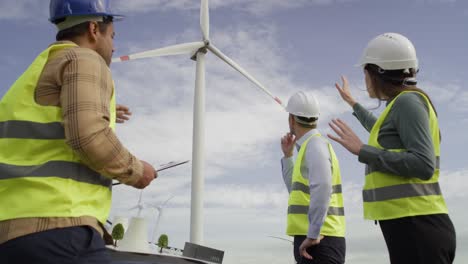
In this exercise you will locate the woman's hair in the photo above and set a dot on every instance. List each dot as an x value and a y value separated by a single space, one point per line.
387 84
80 29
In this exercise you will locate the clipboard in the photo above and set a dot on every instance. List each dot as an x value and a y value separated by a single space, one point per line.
163 167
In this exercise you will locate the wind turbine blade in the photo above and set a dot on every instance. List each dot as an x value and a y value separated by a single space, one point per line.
134 207
155 228
139 199
165 202
238 68
186 48
205 19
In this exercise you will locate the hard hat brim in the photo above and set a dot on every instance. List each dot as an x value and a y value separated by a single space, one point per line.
115 17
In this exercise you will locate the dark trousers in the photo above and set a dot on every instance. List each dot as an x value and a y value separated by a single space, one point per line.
427 239
331 250
73 245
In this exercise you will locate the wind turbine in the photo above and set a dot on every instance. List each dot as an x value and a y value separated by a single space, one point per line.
159 209
139 205
198 50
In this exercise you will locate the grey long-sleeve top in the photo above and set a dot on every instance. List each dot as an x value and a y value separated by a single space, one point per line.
317 167
406 127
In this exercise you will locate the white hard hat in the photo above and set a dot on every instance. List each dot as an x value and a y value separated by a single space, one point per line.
390 51
302 104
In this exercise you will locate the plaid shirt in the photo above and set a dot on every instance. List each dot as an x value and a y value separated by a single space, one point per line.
79 81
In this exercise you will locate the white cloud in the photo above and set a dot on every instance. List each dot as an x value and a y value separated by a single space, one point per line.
251 6
454 184
237 196
27 10
449 95
37 10
460 104
441 93
33 10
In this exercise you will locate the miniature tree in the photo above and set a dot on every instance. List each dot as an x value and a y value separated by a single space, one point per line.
118 233
163 242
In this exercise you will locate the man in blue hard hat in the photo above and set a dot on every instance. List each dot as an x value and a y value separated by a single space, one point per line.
58 150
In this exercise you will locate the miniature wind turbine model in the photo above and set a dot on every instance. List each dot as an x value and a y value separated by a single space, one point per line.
139 205
197 51
159 209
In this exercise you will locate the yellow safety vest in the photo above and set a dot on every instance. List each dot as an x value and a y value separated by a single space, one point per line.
299 200
40 175
389 196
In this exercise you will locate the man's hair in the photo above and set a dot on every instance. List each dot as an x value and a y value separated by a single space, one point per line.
80 29
307 122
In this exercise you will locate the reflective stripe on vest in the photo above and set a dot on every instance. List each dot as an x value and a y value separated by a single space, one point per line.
304 209
40 175
388 196
61 169
299 200
400 191
298 186
33 130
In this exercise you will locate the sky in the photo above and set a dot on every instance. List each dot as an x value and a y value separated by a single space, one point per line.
288 46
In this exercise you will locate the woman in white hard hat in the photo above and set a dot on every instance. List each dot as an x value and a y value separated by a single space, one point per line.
401 189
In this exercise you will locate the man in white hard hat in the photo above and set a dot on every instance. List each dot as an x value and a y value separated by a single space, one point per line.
315 208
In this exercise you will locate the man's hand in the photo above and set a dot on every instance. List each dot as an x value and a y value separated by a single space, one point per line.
149 174
287 144
123 113
307 243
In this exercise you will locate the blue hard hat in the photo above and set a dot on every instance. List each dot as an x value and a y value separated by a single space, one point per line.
64 8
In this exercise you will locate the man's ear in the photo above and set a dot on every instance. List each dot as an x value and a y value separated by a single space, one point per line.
93 29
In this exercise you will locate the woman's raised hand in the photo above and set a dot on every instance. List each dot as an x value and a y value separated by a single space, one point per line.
346 136
344 91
